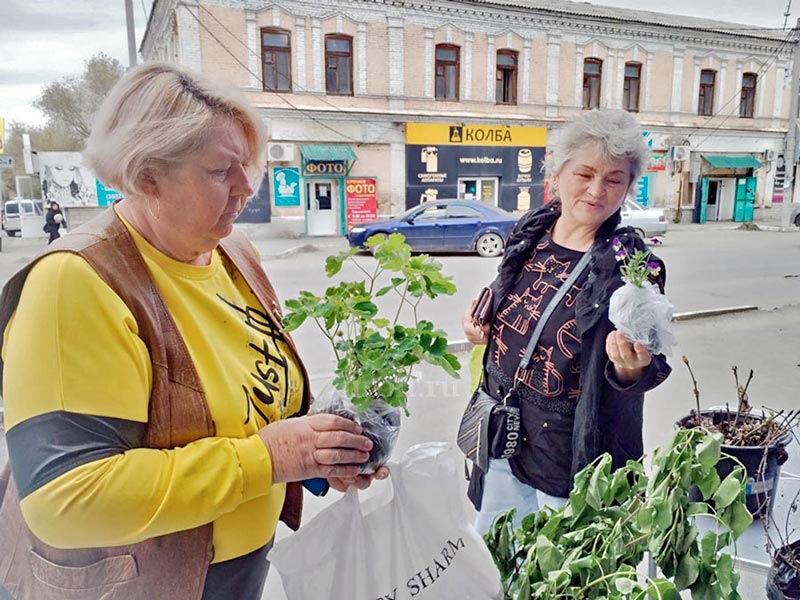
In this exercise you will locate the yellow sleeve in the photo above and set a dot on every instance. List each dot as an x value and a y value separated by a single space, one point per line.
73 346
145 493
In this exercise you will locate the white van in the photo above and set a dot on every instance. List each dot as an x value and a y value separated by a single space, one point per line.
13 209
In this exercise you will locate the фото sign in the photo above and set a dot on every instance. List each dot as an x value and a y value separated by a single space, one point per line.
443 161
325 168
361 200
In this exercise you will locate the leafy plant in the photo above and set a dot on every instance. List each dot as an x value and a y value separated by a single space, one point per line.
636 266
591 547
375 355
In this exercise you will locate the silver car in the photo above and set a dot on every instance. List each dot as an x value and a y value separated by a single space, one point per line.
647 222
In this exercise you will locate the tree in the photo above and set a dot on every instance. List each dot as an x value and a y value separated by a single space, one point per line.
70 103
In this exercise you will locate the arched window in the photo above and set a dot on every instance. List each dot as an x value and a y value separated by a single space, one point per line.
507 76
592 75
276 59
705 100
631 87
447 72
748 99
339 64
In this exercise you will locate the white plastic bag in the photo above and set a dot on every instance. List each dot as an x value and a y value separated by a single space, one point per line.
644 315
414 539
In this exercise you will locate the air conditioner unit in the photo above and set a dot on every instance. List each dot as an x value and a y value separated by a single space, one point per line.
681 153
279 152
770 155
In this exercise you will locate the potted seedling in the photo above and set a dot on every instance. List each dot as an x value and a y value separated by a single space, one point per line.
376 354
758 441
594 546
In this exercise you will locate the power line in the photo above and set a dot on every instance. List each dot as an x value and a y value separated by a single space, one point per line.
278 94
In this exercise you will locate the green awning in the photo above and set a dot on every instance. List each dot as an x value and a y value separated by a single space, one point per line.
732 161
325 152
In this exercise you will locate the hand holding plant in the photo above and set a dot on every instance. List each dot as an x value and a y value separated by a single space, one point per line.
637 309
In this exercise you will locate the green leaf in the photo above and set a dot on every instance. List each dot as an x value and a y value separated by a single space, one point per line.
292 321
708 546
726 576
708 451
737 518
548 556
709 484
333 264
688 570
728 491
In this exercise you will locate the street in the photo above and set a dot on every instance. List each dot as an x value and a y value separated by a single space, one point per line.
706 268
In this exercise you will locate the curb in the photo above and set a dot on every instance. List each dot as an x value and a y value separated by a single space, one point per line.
714 312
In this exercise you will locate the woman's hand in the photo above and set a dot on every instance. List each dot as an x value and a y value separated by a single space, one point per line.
319 445
475 335
362 482
629 360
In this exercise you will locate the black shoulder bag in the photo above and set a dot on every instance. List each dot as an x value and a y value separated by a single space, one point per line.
492 428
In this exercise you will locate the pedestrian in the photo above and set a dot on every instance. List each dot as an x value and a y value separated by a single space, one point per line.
581 393
155 455
53 221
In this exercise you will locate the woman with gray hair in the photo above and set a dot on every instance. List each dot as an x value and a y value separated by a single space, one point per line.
156 455
581 384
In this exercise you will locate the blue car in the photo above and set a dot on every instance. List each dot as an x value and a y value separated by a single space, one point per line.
445 226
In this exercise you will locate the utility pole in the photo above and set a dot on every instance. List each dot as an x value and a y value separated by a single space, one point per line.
131 33
790 154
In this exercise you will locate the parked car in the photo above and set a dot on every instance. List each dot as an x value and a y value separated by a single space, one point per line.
647 222
795 218
13 209
445 225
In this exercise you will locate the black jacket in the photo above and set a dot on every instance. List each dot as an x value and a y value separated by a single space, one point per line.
608 416
50 224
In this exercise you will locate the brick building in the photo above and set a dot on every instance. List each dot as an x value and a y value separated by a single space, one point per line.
398 102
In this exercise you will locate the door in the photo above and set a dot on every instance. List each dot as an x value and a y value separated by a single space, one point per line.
425 228
745 198
462 222
700 207
712 202
322 206
480 189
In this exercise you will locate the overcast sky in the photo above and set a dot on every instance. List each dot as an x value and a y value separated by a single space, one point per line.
44 40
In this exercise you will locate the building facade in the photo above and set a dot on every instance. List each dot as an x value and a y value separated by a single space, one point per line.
373 106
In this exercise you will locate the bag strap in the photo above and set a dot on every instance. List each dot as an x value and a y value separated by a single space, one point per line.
551 306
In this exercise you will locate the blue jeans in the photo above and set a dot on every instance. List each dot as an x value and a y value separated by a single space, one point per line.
502 492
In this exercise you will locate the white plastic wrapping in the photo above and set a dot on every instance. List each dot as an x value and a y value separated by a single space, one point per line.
380 423
643 315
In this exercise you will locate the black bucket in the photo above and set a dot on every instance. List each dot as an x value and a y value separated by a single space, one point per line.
763 473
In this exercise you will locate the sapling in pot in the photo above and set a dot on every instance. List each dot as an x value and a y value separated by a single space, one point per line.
375 355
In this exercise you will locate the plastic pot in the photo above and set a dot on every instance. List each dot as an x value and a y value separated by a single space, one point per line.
783 579
763 472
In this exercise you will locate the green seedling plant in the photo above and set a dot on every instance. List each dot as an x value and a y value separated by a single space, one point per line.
593 547
375 355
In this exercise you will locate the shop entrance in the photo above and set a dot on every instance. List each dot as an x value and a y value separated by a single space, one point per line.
480 189
322 206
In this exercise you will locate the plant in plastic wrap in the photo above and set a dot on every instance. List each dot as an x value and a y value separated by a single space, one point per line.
637 309
375 355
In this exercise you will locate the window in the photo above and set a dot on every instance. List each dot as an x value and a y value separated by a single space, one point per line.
462 211
748 101
276 56
339 64
592 72
705 103
630 90
447 72
506 77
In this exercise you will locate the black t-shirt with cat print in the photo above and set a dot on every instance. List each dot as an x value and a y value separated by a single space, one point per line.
549 389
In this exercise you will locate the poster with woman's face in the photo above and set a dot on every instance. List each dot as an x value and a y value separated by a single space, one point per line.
66 180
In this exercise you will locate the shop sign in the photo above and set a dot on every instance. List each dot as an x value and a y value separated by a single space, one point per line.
658 162
286 183
361 200
458 134
325 168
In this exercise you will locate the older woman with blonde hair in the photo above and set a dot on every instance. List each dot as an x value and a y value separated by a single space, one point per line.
157 452
551 350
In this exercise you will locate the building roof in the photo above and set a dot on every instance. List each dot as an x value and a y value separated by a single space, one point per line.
586 9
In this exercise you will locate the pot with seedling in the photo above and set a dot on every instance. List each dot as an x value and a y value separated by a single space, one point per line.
783 579
757 441
375 355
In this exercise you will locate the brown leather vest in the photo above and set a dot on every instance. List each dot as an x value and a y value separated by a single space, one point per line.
171 566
